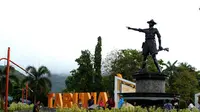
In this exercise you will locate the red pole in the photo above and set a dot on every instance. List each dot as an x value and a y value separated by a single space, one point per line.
26 91
7 79
22 95
16 65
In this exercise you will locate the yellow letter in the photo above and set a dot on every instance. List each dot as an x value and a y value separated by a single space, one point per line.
103 96
86 98
75 98
67 100
58 100
81 97
94 94
50 100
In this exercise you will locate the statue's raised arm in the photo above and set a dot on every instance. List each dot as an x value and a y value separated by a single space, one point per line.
136 29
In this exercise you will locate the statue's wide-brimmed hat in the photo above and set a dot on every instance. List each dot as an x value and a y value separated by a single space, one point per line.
151 22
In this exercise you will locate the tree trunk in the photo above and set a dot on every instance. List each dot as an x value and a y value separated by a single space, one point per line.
2 100
35 98
35 95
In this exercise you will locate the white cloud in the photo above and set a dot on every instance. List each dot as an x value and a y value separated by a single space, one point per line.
52 33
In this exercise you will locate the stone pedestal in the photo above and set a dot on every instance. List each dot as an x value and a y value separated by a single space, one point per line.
150 83
150 90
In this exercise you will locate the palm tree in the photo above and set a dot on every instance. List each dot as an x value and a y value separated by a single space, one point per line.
170 71
186 66
170 68
12 80
38 80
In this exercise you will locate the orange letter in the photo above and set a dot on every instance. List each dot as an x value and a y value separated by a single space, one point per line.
50 100
103 96
75 98
94 94
81 97
86 98
58 100
67 100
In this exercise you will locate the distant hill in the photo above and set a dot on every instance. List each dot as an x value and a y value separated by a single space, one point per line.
17 73
58 82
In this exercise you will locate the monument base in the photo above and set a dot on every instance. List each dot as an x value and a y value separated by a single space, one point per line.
150 82
148 99
150 90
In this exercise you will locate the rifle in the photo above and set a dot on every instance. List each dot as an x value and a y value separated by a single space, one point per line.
164 49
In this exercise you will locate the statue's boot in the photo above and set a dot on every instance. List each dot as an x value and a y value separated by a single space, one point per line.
156 63
143 68
157 66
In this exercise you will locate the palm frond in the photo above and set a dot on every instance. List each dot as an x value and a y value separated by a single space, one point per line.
12 69
14 78
175 62
27 79
169 63
10 87
1 71
44 84
3 85
46 81
44 70
165 65
33 85
32 70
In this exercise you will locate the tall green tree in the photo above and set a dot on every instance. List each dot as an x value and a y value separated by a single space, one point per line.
13 80
127 62
81 78
108 84
184 81
97 78
38 80
97 57
185 84
88 76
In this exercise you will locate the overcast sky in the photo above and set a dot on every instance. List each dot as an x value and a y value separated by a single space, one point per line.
53 32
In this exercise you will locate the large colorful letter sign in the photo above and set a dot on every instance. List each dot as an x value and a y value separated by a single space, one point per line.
66 100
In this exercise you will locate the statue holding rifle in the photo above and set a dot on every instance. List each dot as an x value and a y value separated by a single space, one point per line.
149 46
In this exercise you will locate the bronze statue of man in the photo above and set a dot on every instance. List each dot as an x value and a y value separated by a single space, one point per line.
149 46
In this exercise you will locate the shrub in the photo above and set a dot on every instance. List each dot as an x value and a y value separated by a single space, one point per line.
20 106
123 109
183 104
